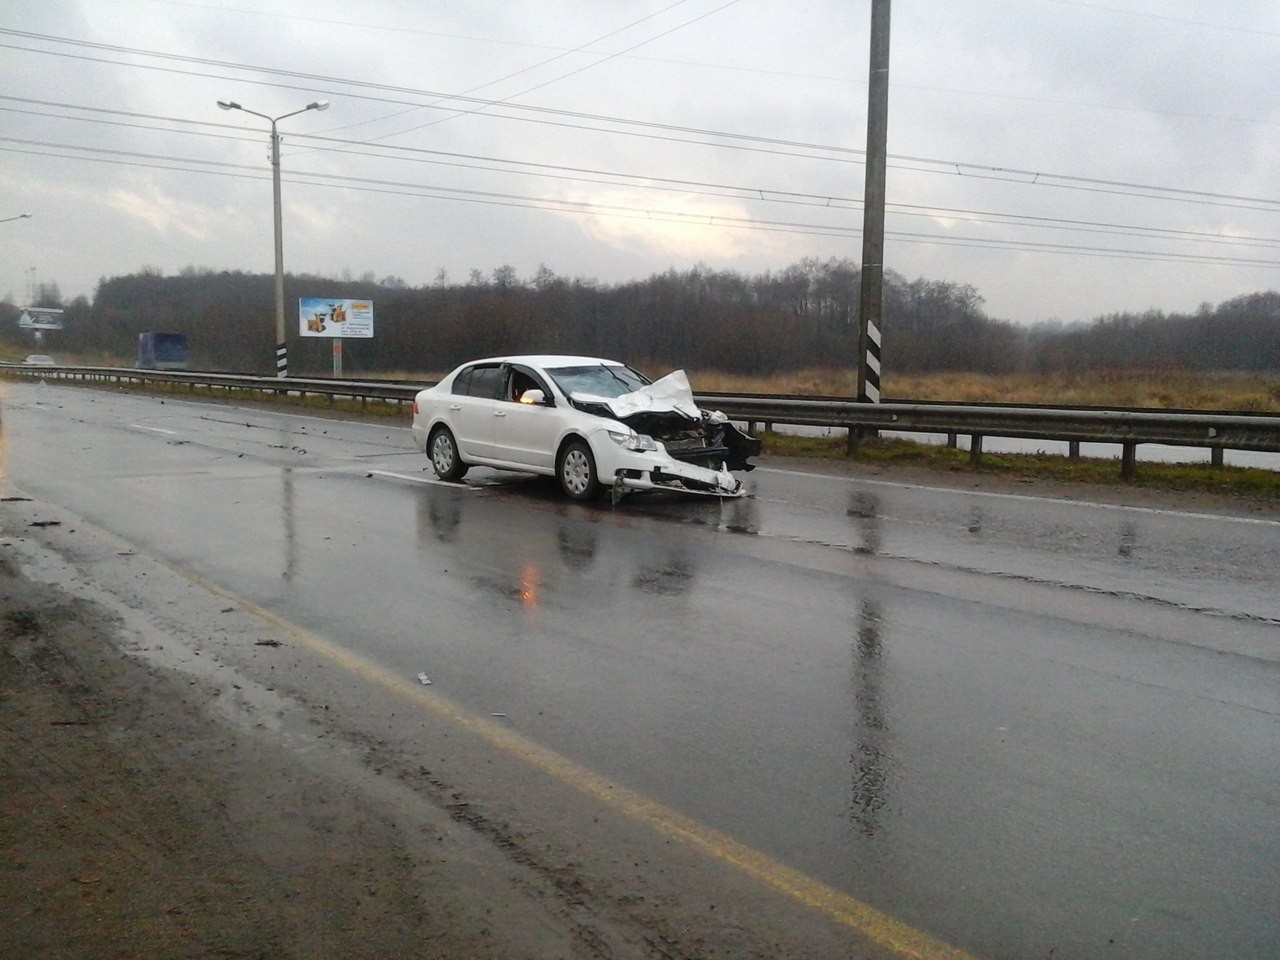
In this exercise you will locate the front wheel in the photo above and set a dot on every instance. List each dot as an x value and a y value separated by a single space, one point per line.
577 472
444 455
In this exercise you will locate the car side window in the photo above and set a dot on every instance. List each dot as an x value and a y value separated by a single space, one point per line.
462 382
520 382
486 382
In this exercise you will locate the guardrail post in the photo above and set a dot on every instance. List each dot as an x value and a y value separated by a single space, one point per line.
852 438
1215 456
1073 449
953 439
1128 460
975 449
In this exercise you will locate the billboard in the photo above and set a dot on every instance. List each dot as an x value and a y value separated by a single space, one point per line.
326 317
40 318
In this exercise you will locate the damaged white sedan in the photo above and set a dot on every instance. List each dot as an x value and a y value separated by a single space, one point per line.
593 424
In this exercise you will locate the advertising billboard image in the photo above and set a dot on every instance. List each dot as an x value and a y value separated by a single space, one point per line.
40 318
328 317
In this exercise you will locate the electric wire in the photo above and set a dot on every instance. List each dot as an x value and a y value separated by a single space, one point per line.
669 132
561 205
596 176
730 139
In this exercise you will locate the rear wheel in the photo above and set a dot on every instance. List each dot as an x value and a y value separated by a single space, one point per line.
577 472
443 450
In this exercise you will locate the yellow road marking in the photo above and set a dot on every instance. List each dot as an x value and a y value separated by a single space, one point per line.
873 924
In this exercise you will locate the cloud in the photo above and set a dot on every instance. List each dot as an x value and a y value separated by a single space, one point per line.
162 214
679 227
116 148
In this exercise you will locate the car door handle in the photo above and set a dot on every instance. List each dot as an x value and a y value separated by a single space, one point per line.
499 413
455 406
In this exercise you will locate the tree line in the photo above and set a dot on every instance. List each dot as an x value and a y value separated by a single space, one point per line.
804 316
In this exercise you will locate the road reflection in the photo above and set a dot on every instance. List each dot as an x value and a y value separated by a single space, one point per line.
864 510
440 514
552 546
871 760
577 543
1128 539
665 576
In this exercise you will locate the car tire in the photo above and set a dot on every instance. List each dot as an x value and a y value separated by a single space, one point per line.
576 471
442 448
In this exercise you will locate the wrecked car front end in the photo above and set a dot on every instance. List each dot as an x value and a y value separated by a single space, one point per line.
671 444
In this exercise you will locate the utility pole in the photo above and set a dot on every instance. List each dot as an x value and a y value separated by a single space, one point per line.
282 348
872 289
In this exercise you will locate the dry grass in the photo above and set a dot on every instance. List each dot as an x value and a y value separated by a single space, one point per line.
1238 392
1227 391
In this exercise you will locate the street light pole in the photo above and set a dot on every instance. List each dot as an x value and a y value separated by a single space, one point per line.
282 350
21 216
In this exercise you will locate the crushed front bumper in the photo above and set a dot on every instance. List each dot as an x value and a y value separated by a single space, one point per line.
678 478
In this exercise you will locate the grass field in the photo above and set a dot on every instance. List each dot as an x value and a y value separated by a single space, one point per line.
1221 392
1235 392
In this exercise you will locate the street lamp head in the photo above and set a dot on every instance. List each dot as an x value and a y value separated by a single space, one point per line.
229 105
318 105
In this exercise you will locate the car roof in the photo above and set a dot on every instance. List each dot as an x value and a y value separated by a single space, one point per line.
549 360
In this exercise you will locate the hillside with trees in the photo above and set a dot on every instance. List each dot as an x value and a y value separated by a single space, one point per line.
802 317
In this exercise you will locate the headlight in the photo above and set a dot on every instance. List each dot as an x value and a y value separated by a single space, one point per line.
635 442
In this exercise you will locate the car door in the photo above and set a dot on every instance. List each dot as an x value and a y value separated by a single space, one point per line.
472 405
526 433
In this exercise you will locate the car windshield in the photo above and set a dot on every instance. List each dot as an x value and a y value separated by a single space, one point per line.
600 379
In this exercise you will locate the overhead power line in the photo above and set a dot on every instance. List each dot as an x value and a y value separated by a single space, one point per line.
596 176
676 132
582 207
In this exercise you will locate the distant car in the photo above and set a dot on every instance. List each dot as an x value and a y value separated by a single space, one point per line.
592 424
39 360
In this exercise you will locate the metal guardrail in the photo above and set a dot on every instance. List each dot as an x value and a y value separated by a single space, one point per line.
1127 428
1214 431
359 390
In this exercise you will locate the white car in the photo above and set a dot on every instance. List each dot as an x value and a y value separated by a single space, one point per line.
593 424
39 360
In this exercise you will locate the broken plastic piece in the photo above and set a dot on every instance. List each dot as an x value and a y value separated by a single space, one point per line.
424 679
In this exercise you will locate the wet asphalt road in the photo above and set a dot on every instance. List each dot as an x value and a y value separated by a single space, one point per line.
1032 728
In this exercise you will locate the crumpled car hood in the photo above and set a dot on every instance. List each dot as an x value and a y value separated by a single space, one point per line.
670 394
668 401
665 410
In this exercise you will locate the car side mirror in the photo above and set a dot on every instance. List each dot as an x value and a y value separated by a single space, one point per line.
534 396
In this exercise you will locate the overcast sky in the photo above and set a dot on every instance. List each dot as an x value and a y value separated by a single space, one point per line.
1066 158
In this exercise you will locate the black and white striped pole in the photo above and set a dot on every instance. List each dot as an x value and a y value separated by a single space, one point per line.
872 285
869 391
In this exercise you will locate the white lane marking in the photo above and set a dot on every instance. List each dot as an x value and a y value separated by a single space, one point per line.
316 418
404 476
142 426
1157 511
